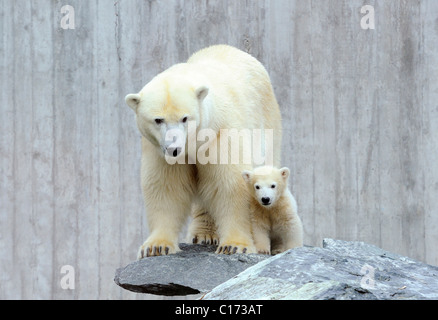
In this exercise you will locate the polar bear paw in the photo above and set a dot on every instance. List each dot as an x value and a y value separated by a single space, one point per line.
205 238
157 248
203 230
232 248
277 251
263 251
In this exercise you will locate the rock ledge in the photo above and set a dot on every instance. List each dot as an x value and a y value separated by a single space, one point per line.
339 270
196 269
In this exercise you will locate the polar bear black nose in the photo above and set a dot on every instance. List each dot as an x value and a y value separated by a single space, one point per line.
266 200
173 152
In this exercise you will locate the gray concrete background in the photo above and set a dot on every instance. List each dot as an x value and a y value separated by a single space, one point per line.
360 117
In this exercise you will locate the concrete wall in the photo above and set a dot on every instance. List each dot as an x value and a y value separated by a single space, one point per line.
360 112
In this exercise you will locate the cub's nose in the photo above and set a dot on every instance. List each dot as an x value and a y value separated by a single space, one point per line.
266 200
173 152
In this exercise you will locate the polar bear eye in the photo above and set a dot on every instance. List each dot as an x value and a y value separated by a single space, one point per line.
257 187
184 120
159 121
273 186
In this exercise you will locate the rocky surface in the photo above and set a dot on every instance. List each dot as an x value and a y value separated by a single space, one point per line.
339 270
196 269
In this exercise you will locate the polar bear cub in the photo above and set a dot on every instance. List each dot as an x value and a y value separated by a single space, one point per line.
276 225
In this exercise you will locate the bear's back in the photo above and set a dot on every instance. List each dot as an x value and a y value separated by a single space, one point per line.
221 53
225 58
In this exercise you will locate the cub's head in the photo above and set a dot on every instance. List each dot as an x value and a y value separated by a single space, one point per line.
164 109
266 184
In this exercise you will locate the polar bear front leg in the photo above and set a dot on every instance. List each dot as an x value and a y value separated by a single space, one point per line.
234 227
168 192
166 214
202 229
227 199
164 224
262 241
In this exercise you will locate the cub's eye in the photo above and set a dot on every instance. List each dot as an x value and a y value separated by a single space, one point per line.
273 186
159 121
184 120
257 187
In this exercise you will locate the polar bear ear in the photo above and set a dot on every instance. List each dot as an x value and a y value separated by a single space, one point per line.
201 93
247 176
285 172
132 100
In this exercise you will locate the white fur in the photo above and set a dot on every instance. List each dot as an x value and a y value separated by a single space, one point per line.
219 87
276 225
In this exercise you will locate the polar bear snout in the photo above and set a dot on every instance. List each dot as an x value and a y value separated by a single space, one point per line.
173 152
174 141
266 201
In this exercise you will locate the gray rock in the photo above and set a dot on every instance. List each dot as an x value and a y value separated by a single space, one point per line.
196 269
339 270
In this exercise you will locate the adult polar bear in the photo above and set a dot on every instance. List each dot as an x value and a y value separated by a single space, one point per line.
219 87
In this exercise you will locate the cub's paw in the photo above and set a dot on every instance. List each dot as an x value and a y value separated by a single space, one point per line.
232 248
205 238
277 251
157 248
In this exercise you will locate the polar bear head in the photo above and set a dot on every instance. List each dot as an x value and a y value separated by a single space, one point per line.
266 184
165 107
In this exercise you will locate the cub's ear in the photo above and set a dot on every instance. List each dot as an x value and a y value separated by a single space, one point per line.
285 172
247 176
132 100
201 93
